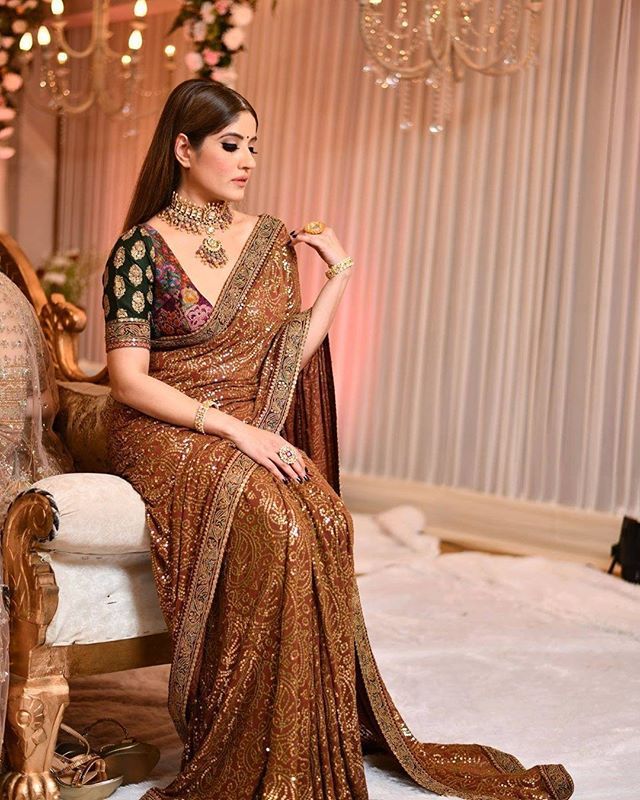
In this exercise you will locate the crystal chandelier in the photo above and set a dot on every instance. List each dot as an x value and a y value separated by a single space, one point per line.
55 58
433 42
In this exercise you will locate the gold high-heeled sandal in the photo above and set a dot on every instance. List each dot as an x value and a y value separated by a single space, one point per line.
79 773
128 757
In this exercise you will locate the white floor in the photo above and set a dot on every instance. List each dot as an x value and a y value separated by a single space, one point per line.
537 657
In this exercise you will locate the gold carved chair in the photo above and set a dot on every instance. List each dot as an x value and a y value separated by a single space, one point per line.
76 561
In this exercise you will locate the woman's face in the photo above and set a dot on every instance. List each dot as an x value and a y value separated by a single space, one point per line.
212 172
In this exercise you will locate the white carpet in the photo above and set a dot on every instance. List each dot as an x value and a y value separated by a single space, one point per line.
537 657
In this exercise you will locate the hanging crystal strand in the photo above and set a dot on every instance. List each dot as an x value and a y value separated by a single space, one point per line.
447 94
128 106
406 105
435 81
437 110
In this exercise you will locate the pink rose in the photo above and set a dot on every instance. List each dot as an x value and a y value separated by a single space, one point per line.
211 57
19 25
241 15
207 13
222 6
193 61
7 113
4 57
5 133
7 152
233 38
12 81
199 30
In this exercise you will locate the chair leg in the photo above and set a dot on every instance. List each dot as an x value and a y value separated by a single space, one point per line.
34 713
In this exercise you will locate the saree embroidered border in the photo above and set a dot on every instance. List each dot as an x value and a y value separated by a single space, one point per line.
188 641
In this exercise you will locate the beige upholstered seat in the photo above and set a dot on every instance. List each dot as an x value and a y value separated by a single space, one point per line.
99 554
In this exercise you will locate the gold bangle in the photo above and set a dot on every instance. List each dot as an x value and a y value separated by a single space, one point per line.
339 267
201 411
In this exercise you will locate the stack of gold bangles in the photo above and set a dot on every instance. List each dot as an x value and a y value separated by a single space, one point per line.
198 422
317 227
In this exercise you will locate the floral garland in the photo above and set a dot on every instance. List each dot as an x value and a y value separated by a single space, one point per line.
16 17
216 28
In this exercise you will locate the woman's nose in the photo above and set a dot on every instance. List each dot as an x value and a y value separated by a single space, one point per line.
248 159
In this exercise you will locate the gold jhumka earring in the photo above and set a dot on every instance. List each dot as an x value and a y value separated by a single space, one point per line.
187 216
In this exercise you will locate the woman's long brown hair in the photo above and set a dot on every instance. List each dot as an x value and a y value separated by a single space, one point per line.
196 107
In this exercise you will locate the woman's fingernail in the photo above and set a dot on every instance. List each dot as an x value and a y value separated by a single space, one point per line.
299 479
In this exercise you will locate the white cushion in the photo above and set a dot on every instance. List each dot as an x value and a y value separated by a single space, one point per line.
103 598
100 514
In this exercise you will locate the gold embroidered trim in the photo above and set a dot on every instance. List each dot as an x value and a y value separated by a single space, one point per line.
283 386
190 628
152 794
131 332
558 781
503 761
234 290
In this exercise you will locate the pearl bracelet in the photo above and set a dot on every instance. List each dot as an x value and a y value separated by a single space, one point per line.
201 411
339 267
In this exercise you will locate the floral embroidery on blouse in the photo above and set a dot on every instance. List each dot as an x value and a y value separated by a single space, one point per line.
127 291
178 307
147 295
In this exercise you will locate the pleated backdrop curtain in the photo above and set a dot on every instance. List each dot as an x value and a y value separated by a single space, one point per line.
490 335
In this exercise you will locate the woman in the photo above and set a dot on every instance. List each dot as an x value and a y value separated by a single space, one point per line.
223 420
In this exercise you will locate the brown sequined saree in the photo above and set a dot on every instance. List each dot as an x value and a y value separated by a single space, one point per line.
273 689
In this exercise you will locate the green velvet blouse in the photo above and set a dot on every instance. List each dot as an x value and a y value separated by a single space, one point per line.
128 290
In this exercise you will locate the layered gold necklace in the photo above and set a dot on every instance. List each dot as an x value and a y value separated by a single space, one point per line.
187 216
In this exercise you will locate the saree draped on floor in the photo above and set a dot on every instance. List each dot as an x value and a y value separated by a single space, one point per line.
273 688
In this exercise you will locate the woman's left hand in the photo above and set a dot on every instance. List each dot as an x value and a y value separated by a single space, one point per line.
326 244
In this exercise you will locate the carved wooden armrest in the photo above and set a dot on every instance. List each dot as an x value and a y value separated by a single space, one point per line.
61 323
33 593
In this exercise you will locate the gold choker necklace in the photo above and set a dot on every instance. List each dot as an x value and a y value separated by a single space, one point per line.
190 217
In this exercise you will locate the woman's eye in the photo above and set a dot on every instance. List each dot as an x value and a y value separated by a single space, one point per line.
230 147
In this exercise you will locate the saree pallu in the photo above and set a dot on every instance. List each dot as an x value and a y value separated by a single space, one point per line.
273 689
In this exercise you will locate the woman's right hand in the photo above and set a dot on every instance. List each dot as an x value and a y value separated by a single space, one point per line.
262 446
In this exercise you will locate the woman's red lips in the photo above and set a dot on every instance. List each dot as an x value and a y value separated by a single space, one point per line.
241 180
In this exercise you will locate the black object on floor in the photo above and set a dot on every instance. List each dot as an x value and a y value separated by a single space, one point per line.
626 551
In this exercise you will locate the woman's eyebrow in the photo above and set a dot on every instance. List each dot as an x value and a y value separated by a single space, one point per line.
239 136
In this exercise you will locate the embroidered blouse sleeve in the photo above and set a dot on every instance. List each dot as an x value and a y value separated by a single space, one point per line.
128 291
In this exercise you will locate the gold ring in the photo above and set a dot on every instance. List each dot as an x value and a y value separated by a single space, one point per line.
314 227
287 454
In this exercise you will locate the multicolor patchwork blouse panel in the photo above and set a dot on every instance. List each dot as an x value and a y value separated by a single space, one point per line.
147 295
